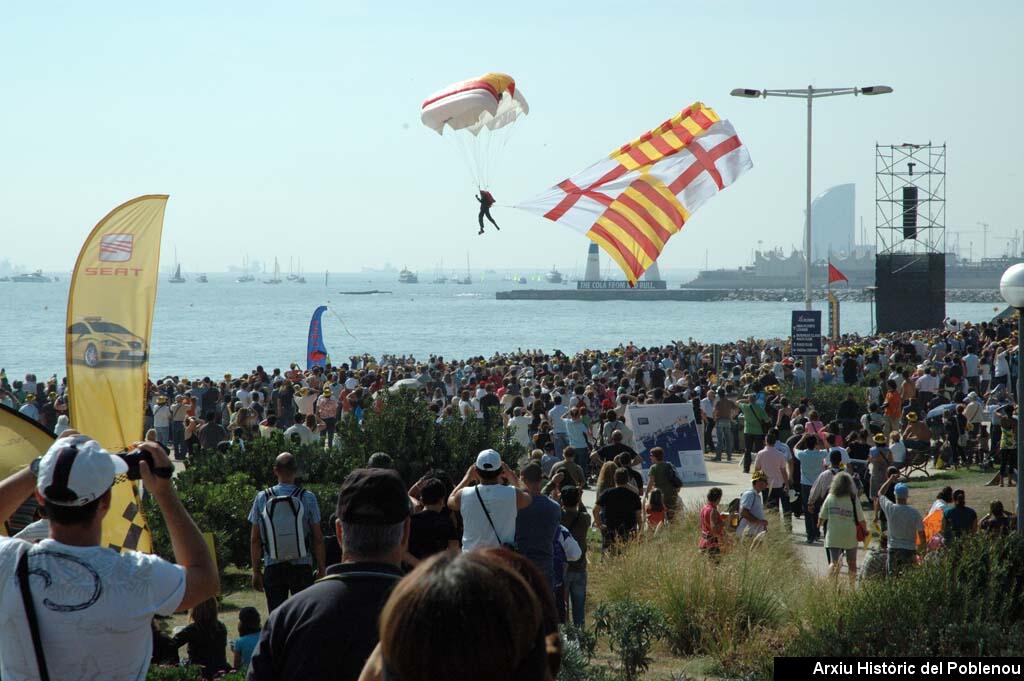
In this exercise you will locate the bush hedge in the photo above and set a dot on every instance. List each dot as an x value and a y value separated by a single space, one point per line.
966 601
218 488
826 397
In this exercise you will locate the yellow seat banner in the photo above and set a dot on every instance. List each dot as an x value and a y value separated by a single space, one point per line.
109 323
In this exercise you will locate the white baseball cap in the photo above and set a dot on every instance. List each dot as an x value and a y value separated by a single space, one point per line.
351 384
488 460
76 471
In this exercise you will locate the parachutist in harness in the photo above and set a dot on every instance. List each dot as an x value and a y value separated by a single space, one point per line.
486 201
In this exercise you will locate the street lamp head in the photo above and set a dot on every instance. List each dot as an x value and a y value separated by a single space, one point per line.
746 92
1011 286
876 90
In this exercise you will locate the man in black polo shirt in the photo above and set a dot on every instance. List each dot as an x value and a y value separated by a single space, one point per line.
612 450
327 631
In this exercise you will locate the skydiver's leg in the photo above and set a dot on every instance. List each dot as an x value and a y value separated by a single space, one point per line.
480 219
488 213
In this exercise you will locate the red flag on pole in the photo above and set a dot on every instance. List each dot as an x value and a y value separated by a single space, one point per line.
835 275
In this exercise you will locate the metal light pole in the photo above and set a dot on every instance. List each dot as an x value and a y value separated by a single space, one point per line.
1011 286
810 94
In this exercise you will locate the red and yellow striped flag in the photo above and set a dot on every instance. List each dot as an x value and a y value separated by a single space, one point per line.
633 201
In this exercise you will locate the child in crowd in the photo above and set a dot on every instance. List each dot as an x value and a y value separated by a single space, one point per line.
248 637
206 638
655 510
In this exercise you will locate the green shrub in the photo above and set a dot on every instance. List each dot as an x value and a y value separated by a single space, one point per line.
218 488
632 628
966 601
168 673
410 433
826 398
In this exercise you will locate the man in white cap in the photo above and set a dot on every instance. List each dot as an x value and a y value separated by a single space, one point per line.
91 606
974 410
489 498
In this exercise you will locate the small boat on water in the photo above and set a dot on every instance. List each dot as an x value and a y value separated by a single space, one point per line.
201 279
554 276
466 280
277 274
177 278
36 277
246 276
521 280
407 277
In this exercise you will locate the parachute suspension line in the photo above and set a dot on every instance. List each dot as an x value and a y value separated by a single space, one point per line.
465 155
487 157
336 316
481 181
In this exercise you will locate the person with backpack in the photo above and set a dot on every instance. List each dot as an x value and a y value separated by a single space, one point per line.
327 632
664 477
285 536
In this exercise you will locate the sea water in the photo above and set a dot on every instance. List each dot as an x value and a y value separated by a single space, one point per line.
224 326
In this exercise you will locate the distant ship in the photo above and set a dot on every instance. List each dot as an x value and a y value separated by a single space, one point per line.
521 280
201 279
407 277
775 270
554 276
36 277
387 269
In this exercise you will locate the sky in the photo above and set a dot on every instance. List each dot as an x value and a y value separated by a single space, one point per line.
292 129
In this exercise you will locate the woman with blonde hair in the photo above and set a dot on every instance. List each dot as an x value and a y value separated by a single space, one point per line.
842 516
606 477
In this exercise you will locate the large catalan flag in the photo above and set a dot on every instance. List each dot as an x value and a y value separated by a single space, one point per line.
633 201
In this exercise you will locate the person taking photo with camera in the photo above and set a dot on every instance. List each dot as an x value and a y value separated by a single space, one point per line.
71 608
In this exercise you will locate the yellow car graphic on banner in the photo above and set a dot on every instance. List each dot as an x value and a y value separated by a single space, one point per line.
95 342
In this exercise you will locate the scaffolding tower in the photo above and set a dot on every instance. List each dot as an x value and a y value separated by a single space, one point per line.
910 198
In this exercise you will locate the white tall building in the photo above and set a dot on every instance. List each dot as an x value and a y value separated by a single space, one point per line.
832 221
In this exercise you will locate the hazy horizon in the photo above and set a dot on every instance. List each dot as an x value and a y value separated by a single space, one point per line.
293 131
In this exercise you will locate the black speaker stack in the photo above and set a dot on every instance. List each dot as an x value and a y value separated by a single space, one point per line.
910 291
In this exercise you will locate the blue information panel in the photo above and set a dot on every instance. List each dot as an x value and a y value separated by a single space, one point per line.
806 333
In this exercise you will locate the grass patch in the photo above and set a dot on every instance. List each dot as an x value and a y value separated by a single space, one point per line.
730 611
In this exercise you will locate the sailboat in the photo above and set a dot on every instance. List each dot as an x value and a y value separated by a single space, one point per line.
297 276
277 274
246 276
439 277
177 278
467 280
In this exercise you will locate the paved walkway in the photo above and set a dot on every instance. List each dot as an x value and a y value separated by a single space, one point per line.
734 482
